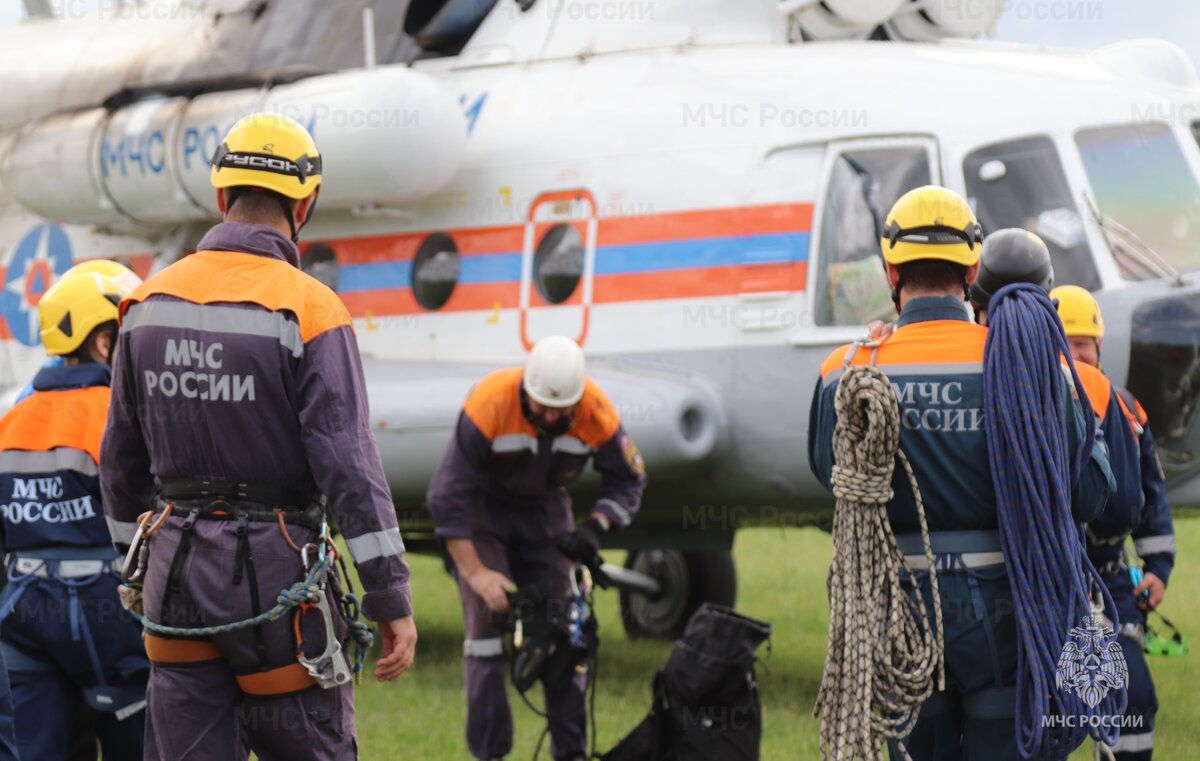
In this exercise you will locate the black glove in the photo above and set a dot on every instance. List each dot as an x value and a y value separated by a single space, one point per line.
583 544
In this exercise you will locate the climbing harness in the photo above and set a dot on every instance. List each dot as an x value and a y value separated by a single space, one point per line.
882 654
327 669
75 568
1033 473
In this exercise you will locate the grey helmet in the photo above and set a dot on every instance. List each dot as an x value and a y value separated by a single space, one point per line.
1011 256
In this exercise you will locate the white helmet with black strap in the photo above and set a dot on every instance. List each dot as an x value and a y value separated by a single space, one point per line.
554 374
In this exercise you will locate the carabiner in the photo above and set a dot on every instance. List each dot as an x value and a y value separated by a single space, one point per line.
329 668
304 554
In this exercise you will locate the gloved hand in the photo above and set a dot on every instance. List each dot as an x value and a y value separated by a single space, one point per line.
582 544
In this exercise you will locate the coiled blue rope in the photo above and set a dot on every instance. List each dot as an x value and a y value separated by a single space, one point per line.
1033 473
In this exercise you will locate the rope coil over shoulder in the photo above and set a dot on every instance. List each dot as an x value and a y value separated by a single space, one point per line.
1033 472
882 653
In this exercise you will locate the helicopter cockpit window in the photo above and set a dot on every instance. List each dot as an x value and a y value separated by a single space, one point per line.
1021 183
852 286
1147 196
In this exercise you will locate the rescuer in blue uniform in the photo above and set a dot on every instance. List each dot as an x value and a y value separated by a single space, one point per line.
1149 524
65 635
934 359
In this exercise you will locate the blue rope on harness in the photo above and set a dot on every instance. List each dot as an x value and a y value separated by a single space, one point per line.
1033 473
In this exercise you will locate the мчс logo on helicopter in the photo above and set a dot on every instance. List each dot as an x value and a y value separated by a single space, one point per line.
39 258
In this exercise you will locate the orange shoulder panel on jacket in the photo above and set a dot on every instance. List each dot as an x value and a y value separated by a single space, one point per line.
1097 387
494 405
212 277
1129 414
936 342
837 358
596 417
1142 416
923 343
50 419
1137 415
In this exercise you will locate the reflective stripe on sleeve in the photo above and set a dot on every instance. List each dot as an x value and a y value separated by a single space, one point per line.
1131 743
1154 545
621 514
483 648
377 544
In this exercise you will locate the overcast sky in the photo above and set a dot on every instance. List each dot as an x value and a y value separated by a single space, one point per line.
1069 23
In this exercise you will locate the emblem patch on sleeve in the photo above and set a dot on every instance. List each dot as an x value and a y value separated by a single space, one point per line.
632 456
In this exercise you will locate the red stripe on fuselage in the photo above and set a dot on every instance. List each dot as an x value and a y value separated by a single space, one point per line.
699 282
608 289
705 223
612 231
140 264
403 248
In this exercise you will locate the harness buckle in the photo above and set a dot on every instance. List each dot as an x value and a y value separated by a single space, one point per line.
191 518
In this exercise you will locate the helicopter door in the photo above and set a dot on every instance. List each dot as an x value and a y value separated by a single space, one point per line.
558 261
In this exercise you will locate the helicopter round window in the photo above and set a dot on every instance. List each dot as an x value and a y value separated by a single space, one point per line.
435 271
558 263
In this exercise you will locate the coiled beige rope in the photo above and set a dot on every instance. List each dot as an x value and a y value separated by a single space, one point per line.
882 656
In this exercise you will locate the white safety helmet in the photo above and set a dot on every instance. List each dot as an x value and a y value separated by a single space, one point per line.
554 374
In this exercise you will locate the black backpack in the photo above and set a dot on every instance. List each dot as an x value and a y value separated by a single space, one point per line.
705 699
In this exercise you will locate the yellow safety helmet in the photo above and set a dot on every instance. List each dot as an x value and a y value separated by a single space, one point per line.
1079 311
268 151
931 222
74 307
124 276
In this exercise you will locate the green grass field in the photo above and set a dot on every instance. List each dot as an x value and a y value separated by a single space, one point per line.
782 580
